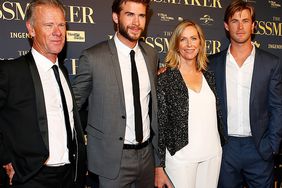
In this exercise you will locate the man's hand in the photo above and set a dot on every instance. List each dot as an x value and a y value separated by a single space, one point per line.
161 70
10 171
161 179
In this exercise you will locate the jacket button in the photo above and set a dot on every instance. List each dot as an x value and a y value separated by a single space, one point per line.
123 117
120 138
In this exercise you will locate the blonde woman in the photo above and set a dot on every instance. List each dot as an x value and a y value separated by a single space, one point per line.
189 117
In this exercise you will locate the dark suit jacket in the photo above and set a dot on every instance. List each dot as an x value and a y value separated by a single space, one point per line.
23 120
99 81
172 94
265 99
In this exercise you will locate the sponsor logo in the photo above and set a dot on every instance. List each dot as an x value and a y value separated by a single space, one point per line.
206 20
75 36
164 17
275 46
276 18
274 4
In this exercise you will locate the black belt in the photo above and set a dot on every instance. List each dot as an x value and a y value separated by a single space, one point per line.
62 168
136 146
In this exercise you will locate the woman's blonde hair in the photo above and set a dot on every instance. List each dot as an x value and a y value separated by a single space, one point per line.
172 58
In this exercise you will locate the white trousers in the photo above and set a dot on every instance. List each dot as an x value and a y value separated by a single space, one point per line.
203 174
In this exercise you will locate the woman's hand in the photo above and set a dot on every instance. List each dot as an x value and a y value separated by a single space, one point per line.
161 179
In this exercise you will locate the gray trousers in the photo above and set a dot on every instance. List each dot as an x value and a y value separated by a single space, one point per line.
136 171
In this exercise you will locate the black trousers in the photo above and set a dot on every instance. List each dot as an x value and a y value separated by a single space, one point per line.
50 177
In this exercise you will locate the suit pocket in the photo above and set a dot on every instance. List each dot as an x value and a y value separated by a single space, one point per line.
93 131
265 148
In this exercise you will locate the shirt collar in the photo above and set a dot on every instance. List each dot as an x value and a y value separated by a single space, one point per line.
123 49
251 55
41 61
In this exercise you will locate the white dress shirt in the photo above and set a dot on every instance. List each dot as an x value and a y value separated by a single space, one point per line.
58 151
238 86
145 89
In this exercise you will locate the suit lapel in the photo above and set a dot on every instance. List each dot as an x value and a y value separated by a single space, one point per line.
152 72
39 98
116 66
221 85
149 66
256 76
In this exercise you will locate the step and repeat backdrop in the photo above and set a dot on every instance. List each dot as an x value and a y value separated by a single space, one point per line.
90 22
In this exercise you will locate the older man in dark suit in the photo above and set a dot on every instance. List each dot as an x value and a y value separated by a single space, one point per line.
41 140
249 84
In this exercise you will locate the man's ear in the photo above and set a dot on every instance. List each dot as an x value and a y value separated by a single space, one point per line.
254 27
226 26
115 17
30 29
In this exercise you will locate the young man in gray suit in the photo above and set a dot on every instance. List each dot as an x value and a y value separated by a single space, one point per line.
249 84
121 95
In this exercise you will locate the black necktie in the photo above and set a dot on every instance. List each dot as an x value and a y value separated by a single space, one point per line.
136 99
66 113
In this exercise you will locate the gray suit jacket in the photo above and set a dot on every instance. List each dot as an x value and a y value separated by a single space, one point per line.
99 82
